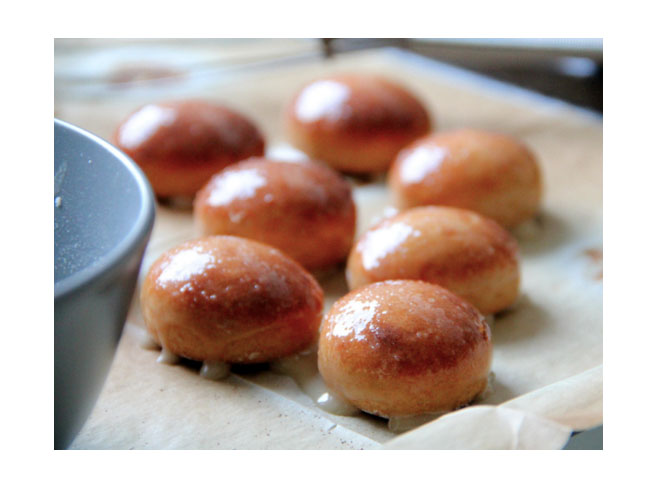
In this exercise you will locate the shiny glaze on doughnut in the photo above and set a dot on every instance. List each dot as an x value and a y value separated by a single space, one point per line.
181 144
229 299
468 254
304 209
490 173
355 122
404 347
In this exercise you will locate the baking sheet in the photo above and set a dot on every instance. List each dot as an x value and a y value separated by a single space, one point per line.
547 349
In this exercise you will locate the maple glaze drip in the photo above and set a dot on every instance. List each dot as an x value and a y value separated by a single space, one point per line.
214 370
302 368
167 357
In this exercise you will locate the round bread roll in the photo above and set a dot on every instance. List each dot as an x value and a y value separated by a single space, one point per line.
304 209
356 123
229 299
404 347
179 145
490 173
464 252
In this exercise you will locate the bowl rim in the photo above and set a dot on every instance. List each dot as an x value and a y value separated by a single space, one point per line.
139 230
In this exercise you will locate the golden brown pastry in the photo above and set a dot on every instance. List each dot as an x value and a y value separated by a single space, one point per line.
464 252
229 299
180 144
404 347
490 173
304 209
356 123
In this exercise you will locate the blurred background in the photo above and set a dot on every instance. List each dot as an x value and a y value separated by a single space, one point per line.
568 69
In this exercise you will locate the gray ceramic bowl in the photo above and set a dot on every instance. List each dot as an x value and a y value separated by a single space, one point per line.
103 215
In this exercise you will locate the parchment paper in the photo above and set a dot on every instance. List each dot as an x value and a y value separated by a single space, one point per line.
547 349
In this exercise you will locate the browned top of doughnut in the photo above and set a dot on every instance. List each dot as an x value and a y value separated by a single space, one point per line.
432 242
307 191
358 105
456 167
403 327
187 133
232 283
